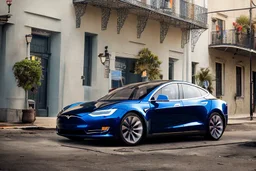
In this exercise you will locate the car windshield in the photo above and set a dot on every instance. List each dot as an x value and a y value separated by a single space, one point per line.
135 91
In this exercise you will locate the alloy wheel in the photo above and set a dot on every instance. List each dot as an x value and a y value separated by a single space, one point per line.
216 127
132 129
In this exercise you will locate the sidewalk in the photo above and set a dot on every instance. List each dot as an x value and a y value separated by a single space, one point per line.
49 123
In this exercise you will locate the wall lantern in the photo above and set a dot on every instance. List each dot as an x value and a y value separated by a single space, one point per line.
9 3
28 38
104 57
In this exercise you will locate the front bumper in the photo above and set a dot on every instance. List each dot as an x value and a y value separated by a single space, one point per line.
86 126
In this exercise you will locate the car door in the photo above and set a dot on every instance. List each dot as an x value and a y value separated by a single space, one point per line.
195 107
165 115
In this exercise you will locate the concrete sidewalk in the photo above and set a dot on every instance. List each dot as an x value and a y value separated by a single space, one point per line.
50 122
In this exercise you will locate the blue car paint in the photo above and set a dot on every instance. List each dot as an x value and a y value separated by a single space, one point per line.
159 117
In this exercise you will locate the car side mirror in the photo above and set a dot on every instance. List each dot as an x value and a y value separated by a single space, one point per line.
162 98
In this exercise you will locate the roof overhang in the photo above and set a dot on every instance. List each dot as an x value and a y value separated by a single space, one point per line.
236 50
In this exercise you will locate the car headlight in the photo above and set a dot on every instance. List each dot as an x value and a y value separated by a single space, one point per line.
107 112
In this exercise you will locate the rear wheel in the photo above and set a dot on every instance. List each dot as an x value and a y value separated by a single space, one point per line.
215 126
131 129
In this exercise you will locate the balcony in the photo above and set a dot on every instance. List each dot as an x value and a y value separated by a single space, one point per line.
232 41
4 18
179 13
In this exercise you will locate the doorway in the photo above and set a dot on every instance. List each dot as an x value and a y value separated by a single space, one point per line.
40 50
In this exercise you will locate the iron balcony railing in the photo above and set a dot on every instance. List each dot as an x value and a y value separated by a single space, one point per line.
179 8
176 12
231 37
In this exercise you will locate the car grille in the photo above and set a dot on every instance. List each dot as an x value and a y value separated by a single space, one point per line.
70 119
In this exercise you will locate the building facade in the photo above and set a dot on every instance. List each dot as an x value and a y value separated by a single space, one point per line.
229 55
69 35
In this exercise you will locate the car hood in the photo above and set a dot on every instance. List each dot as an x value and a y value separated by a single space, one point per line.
87 107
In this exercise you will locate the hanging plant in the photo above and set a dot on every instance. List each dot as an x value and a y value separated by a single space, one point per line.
148 64
204 75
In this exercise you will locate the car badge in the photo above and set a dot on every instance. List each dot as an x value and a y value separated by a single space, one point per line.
68 116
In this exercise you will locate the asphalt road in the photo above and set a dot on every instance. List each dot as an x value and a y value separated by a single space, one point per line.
25 150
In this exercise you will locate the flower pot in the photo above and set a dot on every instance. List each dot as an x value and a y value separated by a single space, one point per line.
28 116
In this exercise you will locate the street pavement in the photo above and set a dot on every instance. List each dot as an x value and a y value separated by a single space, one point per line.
41 149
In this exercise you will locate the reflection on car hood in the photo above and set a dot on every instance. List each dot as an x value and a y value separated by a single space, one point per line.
88 107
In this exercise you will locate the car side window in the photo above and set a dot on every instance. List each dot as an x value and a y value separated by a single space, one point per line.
190 91
203 92
170 90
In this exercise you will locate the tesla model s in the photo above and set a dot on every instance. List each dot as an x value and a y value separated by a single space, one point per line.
136 111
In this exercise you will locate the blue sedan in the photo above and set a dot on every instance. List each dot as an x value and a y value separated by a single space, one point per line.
138 110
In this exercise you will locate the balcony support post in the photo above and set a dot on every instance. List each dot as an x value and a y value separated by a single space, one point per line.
105 15
141 24
195 35
122 15
164 27
80 9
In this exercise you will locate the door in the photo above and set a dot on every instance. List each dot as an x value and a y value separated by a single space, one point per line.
195 107
165 116
39 50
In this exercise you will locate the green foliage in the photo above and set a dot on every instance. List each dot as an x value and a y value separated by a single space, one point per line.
148 62
27 73
244 21
204 75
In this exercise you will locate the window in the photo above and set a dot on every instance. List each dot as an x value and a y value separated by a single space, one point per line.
88 46
219 78
170 90
194 72
239 81
134 91
190 91
171 69
127 67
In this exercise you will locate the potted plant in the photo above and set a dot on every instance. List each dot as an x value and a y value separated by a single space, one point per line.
204 75
28 74
148 65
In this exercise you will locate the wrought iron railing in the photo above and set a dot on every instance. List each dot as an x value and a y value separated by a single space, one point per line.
179 8
231 37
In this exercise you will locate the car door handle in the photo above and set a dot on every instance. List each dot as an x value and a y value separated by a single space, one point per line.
177 105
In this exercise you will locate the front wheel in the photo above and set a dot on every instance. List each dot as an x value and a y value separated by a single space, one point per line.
215 126
131 129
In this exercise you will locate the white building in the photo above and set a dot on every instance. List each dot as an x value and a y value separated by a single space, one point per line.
68 36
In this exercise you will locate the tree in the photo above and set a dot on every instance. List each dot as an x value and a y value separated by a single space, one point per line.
148 62
204 75
28 74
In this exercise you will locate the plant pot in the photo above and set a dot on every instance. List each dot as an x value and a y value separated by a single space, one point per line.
28 116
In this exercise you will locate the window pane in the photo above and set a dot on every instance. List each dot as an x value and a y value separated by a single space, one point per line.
218 79
238 81
87 60
171 91
190 91
193 72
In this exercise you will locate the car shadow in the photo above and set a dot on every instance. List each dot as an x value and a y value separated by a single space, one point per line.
156 140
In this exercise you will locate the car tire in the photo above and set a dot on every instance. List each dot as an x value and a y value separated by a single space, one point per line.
132 129
215 126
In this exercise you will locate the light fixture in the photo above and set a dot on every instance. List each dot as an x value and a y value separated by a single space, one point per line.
9 3
28 38
102 58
